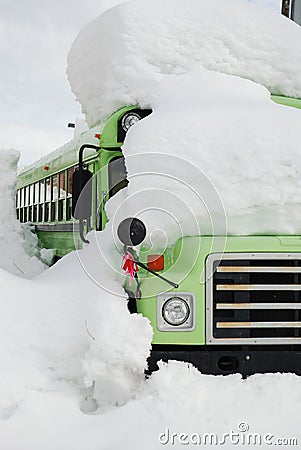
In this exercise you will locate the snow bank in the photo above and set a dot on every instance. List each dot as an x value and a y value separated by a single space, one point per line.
121 57
61 333
19 251
176 400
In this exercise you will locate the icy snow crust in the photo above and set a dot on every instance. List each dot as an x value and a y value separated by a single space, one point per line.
120 58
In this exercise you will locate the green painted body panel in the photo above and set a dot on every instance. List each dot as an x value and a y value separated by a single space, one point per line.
287 101
62 242
67 155
109 133
194 281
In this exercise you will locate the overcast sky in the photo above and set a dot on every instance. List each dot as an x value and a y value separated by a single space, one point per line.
36 100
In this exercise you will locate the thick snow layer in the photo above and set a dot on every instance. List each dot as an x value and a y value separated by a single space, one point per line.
19 251
176 400
120 58
216 156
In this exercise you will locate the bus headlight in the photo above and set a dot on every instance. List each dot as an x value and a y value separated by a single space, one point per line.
175 311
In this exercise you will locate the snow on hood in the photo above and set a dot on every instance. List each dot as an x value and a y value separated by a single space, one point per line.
217 156
120 58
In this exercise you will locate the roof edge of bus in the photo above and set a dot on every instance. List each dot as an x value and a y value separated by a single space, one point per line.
67 154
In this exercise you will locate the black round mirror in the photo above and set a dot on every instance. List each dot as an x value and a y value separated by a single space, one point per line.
131 231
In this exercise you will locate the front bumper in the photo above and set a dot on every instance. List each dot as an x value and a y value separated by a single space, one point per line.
222 360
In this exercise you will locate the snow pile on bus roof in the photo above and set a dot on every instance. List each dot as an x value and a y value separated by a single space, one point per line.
19 251
216 157
120 58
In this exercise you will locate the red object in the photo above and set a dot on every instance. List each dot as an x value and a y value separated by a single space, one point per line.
155 262
97 135
46 167
129 266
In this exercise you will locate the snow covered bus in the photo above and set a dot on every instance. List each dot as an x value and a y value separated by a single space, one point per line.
246 318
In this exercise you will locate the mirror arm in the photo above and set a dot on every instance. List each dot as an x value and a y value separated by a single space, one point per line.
81 232
81 153
80 168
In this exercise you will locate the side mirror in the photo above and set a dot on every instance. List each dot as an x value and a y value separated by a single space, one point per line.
131 231
82 194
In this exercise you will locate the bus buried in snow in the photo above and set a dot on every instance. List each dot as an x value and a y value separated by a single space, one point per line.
246 318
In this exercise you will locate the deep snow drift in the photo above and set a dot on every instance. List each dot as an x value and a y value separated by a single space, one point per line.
20 253
121 57
62 328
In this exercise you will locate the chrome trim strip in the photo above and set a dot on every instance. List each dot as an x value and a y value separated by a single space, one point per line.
258 269
258 324
258 287
258 306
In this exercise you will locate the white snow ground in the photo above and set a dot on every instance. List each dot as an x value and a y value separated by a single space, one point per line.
68 348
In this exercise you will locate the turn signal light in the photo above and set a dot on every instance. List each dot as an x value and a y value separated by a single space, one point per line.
155 262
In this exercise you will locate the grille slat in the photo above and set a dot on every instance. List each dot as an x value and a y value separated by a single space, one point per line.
253 298
257 269
258 324
258 287
284 306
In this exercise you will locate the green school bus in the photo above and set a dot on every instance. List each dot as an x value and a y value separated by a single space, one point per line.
245 318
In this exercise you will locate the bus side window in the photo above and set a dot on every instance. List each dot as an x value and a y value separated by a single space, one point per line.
296 11
18 204
47 197
69 193
36 200
69 181
21 200
30 202
117 175
62 187
25 200
55 187
54 196
62 195
41 200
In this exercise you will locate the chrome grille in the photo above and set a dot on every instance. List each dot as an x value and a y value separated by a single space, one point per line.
253 298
